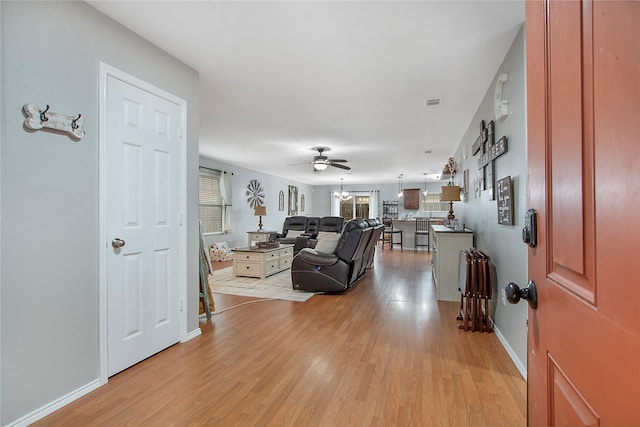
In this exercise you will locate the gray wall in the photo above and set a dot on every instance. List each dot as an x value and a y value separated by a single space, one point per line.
49 209
243 217
502 243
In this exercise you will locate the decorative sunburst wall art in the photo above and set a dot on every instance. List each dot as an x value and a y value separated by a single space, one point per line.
255 193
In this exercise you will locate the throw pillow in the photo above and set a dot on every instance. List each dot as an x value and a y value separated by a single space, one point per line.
327 242
292 234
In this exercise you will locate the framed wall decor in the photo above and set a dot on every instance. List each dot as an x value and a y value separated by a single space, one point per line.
255 193
465 181
505 201
281 201
293 200
302 203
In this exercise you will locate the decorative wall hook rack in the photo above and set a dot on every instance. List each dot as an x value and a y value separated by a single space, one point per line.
39 118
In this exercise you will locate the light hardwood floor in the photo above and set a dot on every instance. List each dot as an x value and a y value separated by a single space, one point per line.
385 353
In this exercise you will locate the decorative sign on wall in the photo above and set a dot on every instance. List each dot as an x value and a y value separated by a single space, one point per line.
505 201
490 151
281 201
302 203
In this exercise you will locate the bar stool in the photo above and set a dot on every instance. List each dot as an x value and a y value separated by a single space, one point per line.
422 229
389 231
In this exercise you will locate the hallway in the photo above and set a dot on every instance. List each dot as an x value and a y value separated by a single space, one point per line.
384 353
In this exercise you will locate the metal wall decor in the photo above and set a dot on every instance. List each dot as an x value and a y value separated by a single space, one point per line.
489 150
255 193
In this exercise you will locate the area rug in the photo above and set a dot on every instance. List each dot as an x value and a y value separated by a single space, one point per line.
277 286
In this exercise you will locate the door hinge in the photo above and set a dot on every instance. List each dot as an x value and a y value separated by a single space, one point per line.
180 304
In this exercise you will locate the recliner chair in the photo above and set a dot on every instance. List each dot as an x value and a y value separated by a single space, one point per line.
330 224
322 272
333 224
297 223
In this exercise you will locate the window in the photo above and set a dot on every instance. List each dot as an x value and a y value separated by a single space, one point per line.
431 203
211 206
357 204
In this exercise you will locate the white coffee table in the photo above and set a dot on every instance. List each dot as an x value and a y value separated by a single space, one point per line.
253 262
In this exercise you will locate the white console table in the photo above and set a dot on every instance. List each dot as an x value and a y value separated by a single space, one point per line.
446 245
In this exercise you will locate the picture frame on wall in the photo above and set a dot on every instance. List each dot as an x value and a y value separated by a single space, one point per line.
281 201
293 200
302 203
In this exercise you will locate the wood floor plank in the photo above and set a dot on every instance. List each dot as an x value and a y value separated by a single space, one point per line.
384 353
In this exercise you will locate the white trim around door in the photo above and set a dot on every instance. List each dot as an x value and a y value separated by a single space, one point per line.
107 71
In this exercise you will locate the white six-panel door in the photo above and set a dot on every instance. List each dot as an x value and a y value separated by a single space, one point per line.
142 223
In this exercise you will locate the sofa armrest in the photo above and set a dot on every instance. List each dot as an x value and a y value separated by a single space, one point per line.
313 257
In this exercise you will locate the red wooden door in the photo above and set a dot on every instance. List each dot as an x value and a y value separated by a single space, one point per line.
583 91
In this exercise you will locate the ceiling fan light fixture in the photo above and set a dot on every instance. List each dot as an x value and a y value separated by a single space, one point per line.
319 166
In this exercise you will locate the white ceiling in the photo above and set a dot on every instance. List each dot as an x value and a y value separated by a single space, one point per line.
278 78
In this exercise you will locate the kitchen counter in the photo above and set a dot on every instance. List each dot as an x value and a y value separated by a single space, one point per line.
408 227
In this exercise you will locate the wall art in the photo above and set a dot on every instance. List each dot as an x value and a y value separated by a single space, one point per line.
293 200
505 201
255 193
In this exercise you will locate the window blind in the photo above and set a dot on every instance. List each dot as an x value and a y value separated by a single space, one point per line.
211 207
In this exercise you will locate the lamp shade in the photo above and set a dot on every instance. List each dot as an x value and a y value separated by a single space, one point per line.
260 210
450 193
320 166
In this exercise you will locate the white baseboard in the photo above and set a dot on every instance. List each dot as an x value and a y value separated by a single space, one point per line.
519 366
49 408
191 335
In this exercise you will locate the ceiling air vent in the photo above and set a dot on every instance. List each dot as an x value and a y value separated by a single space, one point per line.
432 102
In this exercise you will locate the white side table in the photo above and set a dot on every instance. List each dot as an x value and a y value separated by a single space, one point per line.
258 236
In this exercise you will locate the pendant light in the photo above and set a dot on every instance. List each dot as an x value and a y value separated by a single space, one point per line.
400 193
425 192
341 195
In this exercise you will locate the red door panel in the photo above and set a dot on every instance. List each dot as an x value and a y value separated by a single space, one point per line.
583 91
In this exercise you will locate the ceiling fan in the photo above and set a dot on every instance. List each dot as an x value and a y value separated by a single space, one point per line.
321 162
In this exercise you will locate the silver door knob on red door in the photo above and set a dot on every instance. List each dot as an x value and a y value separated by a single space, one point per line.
117 243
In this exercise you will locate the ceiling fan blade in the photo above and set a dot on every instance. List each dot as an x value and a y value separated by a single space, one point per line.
298 164
338 160
338 165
